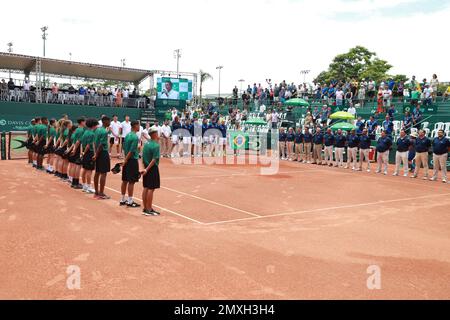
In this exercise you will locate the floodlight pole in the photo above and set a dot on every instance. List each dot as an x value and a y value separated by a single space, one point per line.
219 68
241 81
177 55
44 38
304 73
10 45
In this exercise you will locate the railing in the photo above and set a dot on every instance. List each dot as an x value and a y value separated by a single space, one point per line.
64 97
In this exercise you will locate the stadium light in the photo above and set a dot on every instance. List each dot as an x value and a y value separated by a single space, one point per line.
177 55
219 68
44 38
241 81
10 45
304 73
122 63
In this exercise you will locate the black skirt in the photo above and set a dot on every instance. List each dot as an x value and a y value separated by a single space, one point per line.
151 180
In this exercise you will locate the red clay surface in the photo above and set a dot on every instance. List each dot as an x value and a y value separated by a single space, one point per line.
226 232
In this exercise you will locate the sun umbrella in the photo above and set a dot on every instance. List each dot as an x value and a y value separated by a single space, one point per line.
297 102
342 115
343 126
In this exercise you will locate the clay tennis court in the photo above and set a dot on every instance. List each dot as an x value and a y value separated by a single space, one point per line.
227 232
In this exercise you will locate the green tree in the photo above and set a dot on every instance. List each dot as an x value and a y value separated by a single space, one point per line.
204 76
357 63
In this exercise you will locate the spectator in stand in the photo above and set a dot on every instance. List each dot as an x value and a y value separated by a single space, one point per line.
372 126
428 95
309 122
383 146
417 117
391 112
401 156
388 126
352 110
364 150
26 90
422 146
400 89
274 119
380 104
3 90
361 95
407 122
359 126
387 97
339 98
446 94
434 84
371 89
11 89
55 92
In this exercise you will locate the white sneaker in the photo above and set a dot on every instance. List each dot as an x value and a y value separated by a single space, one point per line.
378 171
405 175
346 167
395 174
444 180
368 170
425 178
385 173
433 179
413 176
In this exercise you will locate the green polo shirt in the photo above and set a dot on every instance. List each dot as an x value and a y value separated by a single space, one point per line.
131 145
64 135
76 136
150 152
41 131
52 133
88 139
101 138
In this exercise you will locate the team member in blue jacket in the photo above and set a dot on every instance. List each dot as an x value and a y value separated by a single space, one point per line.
213 134
423 144
307 145
441 147
176 125
339 144
290 137
384 144
187 137
298 140
317 148
364 149
328 140
401 156
352 149
205 139
282 143
223 138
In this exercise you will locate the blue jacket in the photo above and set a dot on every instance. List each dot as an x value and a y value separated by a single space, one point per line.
318 138
423 145
299 138
290 137
364 142
352 141
384 144
339 141
328 139
403 144
307 137
440 146
282 137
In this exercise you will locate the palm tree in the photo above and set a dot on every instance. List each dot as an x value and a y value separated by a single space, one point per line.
204 76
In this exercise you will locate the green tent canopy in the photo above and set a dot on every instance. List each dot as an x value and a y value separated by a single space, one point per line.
297 102
343 126
342 115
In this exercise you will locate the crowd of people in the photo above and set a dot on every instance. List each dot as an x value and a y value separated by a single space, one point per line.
412 152
76 150
82 95
352 92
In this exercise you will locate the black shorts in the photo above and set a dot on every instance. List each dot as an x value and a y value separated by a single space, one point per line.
50 149
151 179
87 162
130 172
75 159
111 140
40 148
103 163
29 143
64 155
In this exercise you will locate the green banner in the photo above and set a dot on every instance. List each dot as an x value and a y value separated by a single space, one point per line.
431 109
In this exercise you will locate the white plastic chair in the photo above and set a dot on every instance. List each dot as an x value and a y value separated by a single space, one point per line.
439 125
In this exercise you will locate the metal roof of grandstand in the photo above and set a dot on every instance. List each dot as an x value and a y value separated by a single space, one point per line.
27 65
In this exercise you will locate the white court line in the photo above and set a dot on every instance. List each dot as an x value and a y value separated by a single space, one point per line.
161 208
326 209
212 202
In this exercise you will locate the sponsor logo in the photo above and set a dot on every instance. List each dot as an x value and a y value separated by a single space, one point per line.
3 122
